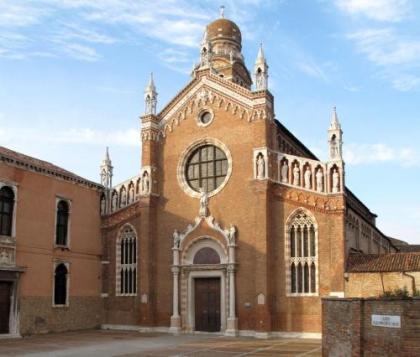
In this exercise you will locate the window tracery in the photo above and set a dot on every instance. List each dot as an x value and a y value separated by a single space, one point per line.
302 259
126 258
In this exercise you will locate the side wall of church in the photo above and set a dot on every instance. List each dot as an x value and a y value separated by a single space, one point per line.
37 196
303 313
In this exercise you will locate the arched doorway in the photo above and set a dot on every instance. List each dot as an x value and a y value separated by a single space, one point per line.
204 280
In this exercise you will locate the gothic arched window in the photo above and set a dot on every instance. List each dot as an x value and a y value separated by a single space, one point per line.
126 262
302 260
7 201
60 284
62 223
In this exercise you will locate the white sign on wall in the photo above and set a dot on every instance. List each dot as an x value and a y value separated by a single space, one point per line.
386 321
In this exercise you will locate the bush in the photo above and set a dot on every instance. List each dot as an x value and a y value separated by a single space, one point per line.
398 293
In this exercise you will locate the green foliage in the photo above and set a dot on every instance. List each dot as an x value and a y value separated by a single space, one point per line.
398 293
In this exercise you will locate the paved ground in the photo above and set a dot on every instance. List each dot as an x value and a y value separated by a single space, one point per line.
117 343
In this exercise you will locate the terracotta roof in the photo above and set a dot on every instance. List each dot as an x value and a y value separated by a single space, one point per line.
25 162
222 29
388 262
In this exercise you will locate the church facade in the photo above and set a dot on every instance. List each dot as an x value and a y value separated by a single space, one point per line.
232 225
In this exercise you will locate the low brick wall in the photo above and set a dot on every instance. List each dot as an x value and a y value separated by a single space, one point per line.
347 328
38 316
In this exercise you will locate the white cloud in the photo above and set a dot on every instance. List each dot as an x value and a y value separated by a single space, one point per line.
81 52
384 47
362 154
128 137
397 57
74 23
379 10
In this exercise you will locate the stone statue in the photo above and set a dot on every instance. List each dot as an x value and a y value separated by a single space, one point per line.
231 56
260 166
296 175
307 178
4 258
284 172
131 194
204 202
114 201
177 239
103 205
319 180
231 232
123 198
335 181
145 183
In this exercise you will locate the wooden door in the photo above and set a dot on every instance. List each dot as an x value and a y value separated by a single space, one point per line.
207 304
5 289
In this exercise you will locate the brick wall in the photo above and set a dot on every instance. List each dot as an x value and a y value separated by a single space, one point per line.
347 327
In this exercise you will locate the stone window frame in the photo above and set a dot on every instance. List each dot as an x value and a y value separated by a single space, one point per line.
289 260
14 187
68 236
118 264
67 264
182 181
200 114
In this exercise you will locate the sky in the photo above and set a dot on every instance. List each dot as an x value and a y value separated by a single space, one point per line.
73 72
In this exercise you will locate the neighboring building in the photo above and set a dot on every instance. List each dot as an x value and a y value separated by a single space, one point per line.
231 224
50 247
372 275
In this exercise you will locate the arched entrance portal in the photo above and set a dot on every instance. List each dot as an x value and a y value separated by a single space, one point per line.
204 279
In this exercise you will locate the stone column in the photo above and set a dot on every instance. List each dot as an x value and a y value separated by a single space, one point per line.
175 318
232 321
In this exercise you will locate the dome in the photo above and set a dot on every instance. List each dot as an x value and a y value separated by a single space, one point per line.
223 29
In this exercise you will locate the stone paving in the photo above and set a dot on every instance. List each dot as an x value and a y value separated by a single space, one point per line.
122 343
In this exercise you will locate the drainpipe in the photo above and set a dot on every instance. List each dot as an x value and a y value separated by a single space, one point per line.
413 281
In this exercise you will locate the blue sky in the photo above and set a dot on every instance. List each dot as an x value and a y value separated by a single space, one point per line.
72 75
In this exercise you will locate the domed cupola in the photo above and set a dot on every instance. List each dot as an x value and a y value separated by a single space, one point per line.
221 50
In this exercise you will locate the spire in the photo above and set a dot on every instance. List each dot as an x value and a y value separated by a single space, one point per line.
260 56
335 137
150 97
206 50
107 159
222 11
335 124
106 170
261 70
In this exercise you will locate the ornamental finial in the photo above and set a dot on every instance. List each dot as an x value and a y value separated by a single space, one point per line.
222 11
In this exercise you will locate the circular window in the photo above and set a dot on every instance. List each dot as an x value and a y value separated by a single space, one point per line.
206 167
205 117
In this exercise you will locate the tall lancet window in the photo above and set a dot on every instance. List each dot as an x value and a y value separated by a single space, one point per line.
302 255
126 259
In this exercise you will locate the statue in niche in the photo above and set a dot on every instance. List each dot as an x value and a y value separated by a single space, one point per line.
335 181
296 175
103 205
204 203
131 194
260 167
284 172
319 180
307 178
114 201
123 198
145 183
231 56
4 258
177 239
